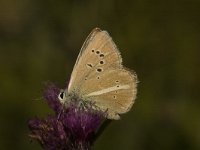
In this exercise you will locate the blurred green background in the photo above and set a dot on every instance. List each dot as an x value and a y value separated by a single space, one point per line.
160 40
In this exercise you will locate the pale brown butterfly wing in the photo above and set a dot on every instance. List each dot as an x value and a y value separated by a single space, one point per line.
98 50
98 73
113 91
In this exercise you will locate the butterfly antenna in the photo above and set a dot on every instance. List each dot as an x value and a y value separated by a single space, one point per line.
38 99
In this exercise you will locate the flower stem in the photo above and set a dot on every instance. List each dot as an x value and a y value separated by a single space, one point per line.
101 129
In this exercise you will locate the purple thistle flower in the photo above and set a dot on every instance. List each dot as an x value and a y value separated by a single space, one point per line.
73 128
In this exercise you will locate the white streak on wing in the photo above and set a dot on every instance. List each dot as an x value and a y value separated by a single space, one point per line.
110 89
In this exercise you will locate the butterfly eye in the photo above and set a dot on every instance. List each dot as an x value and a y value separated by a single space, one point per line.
61 95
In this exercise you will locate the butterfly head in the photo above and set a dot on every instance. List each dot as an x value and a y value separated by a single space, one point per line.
62 96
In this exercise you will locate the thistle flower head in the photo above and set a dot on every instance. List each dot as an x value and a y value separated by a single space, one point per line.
68 129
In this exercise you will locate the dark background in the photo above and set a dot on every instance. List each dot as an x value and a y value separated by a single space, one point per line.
160 40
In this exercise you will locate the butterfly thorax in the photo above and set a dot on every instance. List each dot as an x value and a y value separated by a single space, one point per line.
69 99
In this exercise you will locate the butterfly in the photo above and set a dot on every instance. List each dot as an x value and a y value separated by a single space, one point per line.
98 76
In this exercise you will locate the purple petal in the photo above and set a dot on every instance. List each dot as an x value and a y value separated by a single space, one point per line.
51 97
